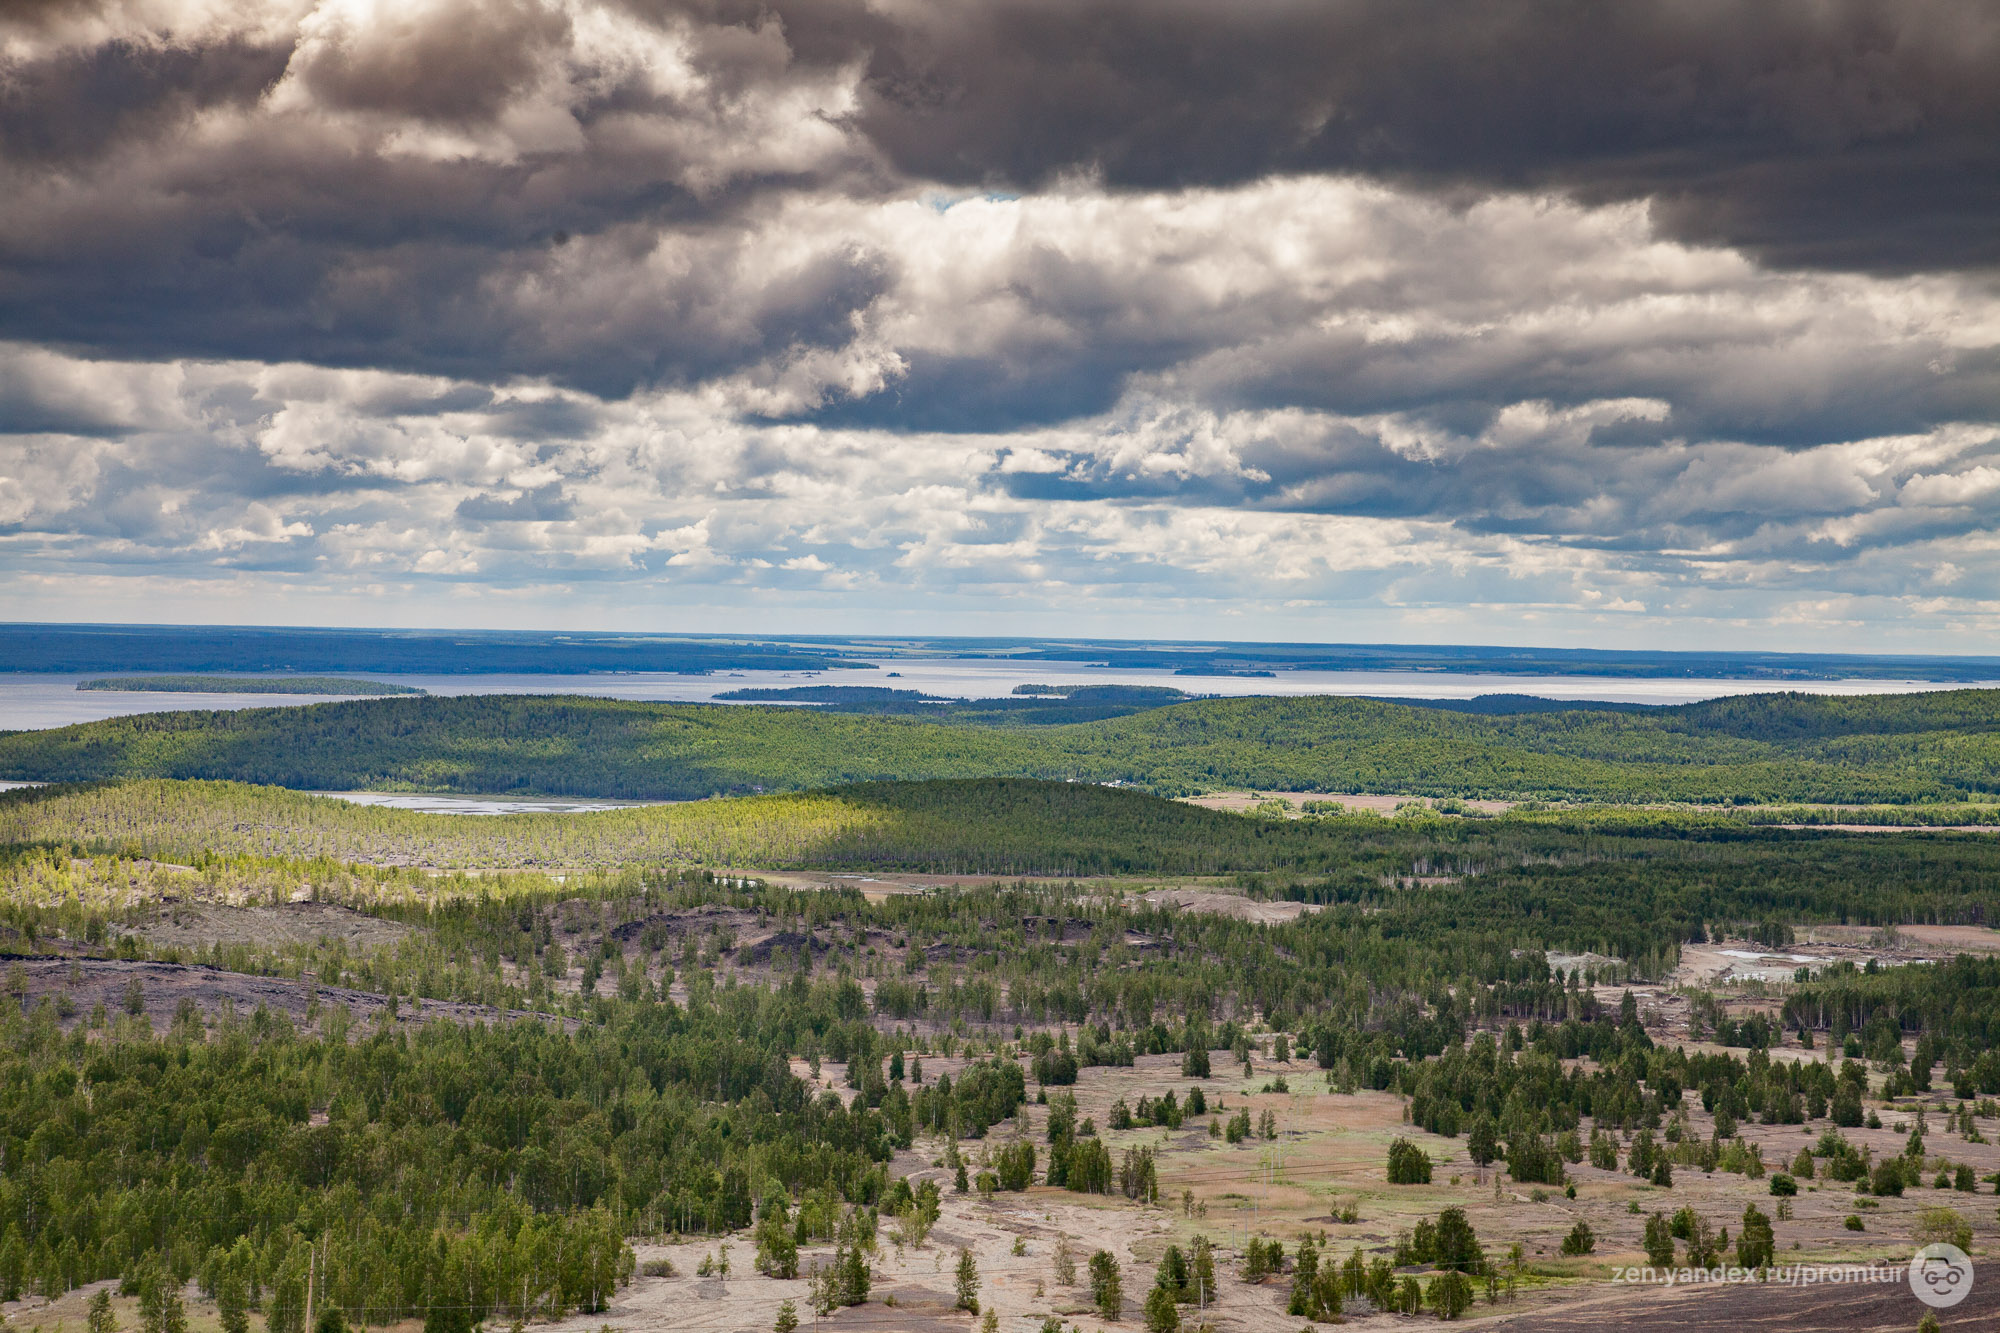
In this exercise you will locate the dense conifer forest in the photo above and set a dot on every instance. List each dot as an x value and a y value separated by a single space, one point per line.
651 1085
467 1070
1886 749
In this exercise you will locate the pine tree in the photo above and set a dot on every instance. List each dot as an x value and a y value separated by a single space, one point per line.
230 1297
1450 1295
1305 1270
1408 1164
1659 1242
855 1278
101 1319
1482 1144
160 1308
1457 1245
1201 1274
967 1282
1107 1287
1756 1245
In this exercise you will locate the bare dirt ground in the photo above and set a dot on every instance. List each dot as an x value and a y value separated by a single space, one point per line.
1891 828
1328 1155
1580 962
1751 1307
1240 801
79 986
1734 961
876 888
1218 903
1926 940
184 924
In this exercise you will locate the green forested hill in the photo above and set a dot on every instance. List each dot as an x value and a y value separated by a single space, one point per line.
1774 748
975 826
1621 881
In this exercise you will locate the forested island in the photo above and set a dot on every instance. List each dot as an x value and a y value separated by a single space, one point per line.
333 685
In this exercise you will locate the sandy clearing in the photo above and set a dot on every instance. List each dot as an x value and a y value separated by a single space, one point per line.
1975 939
1731 962
1239 801
1216 903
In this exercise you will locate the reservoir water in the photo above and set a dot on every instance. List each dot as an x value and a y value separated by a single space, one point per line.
32 702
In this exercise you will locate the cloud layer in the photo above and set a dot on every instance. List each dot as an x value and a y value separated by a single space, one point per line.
1348 318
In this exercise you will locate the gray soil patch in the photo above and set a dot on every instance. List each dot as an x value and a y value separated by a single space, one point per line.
1890 828
87 983
195 925
1766 1307
1234 905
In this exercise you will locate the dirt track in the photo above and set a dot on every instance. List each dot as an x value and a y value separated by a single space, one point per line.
1752 1307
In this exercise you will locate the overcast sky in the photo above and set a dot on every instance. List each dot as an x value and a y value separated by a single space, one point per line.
1666 323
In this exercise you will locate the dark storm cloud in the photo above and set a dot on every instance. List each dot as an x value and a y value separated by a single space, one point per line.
884 296
456 187
1858 134
68 109
1722 382
394 190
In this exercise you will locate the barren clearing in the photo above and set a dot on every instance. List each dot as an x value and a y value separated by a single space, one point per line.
1217 903
1239 801
1327 1155
182 924
1734 961
1329 1152
85 984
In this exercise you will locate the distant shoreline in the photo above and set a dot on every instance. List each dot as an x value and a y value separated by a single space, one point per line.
328 685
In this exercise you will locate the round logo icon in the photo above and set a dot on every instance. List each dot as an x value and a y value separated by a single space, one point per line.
1941 1275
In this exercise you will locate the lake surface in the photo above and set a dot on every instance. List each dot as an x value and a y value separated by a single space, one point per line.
32 702
426 803
483 805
